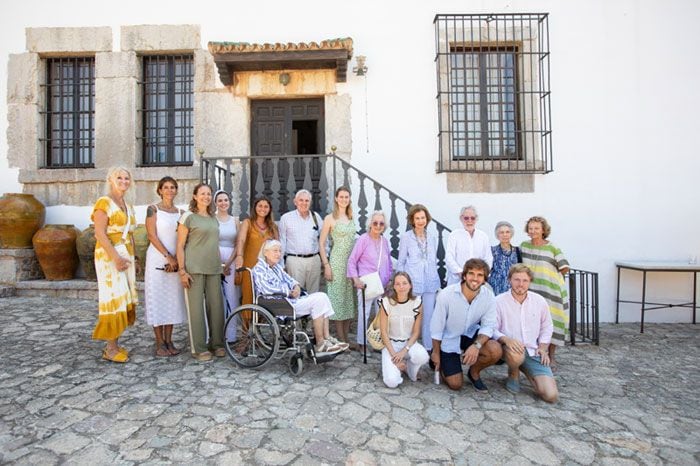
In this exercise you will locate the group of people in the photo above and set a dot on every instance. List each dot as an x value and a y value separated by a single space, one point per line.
502 303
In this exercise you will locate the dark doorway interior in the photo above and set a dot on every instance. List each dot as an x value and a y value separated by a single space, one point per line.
304 137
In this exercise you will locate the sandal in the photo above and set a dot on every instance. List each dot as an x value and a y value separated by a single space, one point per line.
171 349
117 357
124 350
162 351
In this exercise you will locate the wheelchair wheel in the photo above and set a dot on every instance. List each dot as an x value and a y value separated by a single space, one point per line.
296 364
255 334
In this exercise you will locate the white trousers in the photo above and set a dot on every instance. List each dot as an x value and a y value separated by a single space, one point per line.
417 356
316 304
428 306
362 323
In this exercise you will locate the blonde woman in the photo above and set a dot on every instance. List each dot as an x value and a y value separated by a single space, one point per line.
340 227
115 222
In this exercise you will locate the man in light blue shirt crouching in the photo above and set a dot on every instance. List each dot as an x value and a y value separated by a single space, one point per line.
460 309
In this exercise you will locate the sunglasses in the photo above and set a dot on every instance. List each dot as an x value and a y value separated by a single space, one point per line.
377 224
467 218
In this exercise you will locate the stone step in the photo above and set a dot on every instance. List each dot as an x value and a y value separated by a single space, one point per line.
7 291
77 288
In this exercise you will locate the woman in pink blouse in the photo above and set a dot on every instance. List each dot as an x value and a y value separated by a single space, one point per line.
371 253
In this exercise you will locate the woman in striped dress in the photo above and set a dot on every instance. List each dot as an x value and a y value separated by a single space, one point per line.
549 266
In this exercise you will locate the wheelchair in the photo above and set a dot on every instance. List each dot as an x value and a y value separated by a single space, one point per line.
267 329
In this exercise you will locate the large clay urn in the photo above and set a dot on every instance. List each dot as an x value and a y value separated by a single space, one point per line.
54 246
85 244
21 215
141 242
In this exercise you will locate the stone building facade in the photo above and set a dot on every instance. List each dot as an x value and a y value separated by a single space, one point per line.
221 113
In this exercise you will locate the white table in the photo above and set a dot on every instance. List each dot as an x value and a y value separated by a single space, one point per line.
656 266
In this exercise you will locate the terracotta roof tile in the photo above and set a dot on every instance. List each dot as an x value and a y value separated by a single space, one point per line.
246 47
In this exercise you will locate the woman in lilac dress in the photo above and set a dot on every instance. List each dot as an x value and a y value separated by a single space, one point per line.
371 253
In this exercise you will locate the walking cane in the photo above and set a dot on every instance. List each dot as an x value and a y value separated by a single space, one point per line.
364 317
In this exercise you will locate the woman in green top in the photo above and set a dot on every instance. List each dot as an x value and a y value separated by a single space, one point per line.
200 273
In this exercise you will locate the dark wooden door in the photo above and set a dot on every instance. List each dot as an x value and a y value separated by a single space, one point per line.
286 128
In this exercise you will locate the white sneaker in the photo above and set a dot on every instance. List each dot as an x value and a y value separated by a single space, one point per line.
339 343
328 347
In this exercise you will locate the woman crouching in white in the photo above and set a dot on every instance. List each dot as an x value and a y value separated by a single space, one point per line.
401 314
270 279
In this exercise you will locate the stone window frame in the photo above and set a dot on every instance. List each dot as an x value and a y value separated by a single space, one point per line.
170 81
78 140
526 35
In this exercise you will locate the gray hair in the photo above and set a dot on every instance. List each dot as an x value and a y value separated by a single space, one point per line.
469 207
267 245
378 212
503 223
301 192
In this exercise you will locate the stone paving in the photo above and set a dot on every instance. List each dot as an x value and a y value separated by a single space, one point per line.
633 400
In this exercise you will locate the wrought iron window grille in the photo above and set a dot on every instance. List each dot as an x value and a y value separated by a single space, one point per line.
69 115
494 111
167 110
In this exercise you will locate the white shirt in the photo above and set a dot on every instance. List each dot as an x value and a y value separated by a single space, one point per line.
530 322
299 235
461 247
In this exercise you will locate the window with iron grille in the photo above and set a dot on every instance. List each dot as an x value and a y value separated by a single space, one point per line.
70 113
493 93
167 109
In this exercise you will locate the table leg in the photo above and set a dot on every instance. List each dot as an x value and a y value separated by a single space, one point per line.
617 306
695 291
644 297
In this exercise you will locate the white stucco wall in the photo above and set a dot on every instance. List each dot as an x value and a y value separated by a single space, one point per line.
624 113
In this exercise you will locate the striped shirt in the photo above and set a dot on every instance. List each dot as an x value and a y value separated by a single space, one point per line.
530 322
272 280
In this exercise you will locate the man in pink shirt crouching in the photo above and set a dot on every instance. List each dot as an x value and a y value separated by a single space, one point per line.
524 328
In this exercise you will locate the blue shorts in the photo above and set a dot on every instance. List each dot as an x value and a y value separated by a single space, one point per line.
451 363
534 368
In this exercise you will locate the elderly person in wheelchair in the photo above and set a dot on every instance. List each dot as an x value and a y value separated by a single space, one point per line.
271 280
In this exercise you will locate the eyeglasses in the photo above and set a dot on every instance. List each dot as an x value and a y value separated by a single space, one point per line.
467 218
377 224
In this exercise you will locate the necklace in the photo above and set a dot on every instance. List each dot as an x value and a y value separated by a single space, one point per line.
423 245
261 228
171 209
503 252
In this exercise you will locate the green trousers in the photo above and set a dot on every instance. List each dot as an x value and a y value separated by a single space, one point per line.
205 288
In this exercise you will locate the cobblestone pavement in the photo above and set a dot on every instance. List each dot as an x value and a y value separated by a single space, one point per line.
633 400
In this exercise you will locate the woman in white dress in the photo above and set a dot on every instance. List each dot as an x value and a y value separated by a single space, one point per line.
228 231
165 298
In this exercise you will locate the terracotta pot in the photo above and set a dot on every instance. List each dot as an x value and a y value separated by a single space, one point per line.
21 215
54 246
141 242
85 244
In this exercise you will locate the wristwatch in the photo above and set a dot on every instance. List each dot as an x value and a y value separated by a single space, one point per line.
477 344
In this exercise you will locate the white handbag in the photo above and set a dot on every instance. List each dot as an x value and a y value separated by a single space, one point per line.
372 281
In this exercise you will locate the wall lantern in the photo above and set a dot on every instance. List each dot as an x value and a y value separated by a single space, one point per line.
361 68
285 78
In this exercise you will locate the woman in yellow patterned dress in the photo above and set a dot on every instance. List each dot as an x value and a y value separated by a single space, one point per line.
115 222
